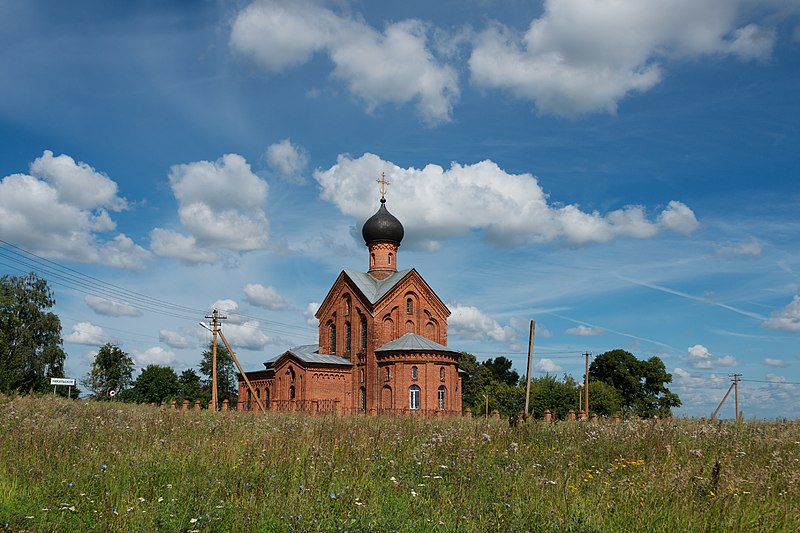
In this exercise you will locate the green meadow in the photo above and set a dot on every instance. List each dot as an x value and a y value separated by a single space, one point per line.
99 466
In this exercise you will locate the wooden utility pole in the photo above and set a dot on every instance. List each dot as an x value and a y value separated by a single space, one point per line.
735 385
215 329
244 376
586 385
530 367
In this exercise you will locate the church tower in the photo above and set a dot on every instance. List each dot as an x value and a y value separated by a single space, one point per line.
382 234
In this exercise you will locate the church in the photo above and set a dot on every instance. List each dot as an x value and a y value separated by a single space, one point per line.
382 345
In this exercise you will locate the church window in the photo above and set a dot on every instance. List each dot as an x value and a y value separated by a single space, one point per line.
363 333
347 338
249 400
346 305
258 393
266 397
291 392
363 399
333 338
388 374
409 306
413 372
390 258
441 374
361 375
413 397
440 397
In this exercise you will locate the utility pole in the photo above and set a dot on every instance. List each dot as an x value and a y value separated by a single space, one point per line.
215 317
530 367
736 378
586 385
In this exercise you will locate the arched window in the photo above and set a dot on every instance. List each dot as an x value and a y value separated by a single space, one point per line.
388 374
266 397
371 260
333 338
413 372
440 397
363 333
258 393
441 374
409 306
361 375
363 399
348 342
291 392
390 258
413 397
249 404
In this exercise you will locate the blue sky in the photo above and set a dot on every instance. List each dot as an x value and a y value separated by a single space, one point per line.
624 173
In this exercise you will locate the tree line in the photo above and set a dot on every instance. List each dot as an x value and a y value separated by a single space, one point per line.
619 383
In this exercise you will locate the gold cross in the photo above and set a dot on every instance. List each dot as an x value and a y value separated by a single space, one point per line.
383 183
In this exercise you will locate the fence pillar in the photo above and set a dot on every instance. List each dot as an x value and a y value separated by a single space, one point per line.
172 406
571 414
594 418
163 405
225 404
185 405
468 412
197 405
495 413
547 416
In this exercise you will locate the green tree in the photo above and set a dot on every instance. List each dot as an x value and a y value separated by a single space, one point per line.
604 399
227 384
557 395
642 385
112 369
493 378
154 384
189 383
500 369
31 349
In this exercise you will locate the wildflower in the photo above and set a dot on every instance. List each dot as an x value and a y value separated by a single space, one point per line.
103 468
413 493
193 521
333 495
160 499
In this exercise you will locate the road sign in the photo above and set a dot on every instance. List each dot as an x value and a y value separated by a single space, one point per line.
68 382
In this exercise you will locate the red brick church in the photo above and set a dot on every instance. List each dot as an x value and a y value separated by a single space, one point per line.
382 344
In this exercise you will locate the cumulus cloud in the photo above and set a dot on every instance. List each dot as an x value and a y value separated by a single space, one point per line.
153 356
246 335
685 380
220 205
173 339
61 210
585 331
310 314
788 318
699 357
229 309
546 365
88 334
751 246
584 56
472 323
266 297
509 208
769 361
395 66
287 160
109 307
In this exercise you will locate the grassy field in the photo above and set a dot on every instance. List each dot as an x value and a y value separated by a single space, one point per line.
90 466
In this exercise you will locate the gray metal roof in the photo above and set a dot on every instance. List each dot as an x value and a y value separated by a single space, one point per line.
375 289
411 342
309 353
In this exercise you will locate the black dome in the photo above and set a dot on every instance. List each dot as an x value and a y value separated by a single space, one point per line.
382 227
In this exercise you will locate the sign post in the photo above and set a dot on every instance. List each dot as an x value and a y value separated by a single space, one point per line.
69 382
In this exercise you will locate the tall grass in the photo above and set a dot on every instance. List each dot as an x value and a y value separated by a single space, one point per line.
89 466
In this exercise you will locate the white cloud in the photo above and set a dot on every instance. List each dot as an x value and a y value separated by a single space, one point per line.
769 361
395 66
685 380
751 246
699 357
170 243
229 309
246 335
546 365
109 307
266 297
788 318
774 378
287 160
153 356
585 331
509 208
679 218
60 211
310 314
584 56
220 205
472 323
88 334
173 339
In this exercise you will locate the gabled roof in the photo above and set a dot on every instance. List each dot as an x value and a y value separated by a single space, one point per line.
375 289
411 342
309 354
